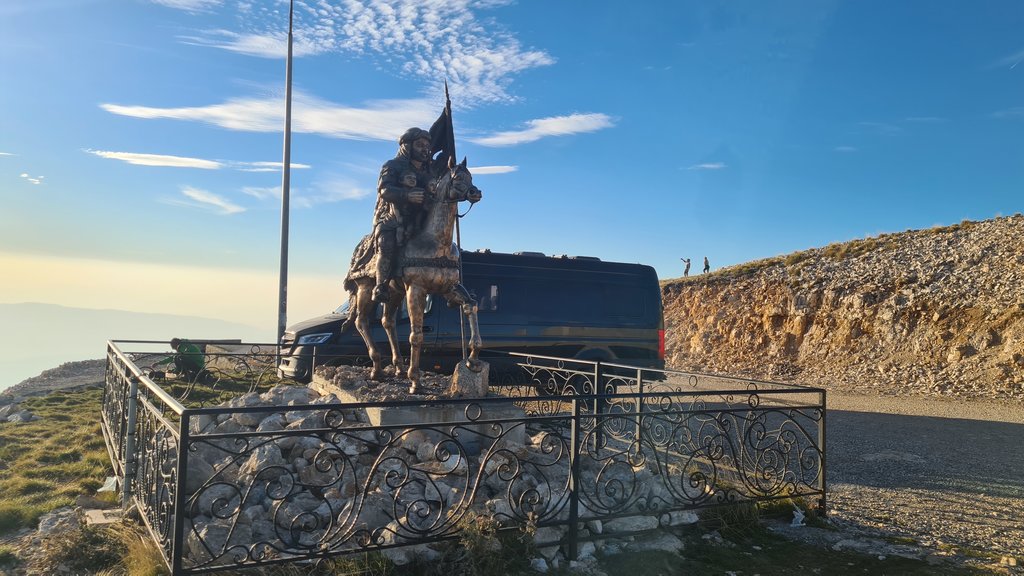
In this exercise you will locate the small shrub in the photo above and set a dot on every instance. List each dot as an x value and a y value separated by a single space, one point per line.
734 521
795 258
7 557
82 551
141 557
26 487
783 508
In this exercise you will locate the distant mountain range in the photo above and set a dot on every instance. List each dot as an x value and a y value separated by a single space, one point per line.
35 337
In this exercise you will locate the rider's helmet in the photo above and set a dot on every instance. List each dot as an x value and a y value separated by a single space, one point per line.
413 134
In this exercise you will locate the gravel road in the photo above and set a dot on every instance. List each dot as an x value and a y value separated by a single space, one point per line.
948 474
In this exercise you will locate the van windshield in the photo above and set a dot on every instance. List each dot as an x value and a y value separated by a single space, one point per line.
343 309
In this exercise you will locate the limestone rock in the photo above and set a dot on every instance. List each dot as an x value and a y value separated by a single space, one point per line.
470 381
921 312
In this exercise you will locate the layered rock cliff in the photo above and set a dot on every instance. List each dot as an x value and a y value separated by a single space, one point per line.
934 312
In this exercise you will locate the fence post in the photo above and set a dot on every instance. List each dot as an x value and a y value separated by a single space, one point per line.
822 503
639 401
598 391
574 480
180 496
129 441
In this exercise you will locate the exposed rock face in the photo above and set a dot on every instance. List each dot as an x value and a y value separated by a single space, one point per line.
937 311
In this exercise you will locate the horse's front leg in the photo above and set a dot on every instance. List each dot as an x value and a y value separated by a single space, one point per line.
364 311
391 307
460 296
415 299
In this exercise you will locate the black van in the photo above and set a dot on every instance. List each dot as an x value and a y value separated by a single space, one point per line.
564 306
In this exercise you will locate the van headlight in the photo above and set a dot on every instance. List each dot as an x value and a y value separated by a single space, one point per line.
315 338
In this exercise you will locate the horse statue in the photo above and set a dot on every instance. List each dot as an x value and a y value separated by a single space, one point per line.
428 263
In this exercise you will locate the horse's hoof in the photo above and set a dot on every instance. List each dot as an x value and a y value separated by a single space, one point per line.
414 389
375 375
475 365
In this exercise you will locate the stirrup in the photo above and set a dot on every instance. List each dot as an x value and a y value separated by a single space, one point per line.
380 293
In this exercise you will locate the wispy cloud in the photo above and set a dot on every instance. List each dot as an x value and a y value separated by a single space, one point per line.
880 128
32 179
1014 113
493 169
543 127
1011 60
331 189
269 45
428 40
708 166
263 192
141 159
6 154
189 5
265 166
925 119
164 160
378 120
208 200
326 191
845 149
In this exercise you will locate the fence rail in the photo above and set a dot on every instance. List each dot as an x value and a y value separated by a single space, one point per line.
275 474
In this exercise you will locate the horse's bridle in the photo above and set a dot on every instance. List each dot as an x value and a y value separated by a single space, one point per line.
460 186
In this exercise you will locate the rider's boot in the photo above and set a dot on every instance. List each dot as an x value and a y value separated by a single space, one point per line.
380 291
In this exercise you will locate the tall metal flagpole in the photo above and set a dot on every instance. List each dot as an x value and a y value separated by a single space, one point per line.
282 309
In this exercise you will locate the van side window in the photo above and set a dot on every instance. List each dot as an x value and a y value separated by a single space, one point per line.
486 297
403 314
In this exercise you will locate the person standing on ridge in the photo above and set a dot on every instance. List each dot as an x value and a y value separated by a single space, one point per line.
707 266
686 271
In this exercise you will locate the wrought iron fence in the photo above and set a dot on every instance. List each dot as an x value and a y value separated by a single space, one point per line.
578 449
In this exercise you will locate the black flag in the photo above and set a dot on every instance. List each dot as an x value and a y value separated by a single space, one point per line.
442 137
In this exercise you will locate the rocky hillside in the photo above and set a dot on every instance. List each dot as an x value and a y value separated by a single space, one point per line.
67 375
924 312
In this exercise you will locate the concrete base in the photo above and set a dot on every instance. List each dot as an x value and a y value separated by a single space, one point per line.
102 517
470 381
460 413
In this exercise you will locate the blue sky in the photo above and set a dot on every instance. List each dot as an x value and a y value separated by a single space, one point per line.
141 141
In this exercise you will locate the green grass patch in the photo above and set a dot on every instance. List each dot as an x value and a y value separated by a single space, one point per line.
23 487
8 558
47 463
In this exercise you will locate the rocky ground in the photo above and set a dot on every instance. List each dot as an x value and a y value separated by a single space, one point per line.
64 377
936 312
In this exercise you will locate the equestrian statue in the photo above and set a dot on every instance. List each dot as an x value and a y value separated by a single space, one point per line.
410 252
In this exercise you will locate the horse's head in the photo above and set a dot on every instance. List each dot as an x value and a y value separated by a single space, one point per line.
460 185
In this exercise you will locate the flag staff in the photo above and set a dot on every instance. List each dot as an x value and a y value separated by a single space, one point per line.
282 309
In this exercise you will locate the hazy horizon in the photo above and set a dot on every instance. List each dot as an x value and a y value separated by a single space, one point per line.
39 336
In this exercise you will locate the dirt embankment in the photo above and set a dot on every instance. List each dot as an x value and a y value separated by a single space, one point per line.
923 312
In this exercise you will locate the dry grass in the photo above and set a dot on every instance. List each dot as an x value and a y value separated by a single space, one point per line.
47 463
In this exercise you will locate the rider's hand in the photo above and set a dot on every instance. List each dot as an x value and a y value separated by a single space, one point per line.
415 196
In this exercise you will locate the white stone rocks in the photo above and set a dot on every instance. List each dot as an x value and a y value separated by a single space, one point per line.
926 312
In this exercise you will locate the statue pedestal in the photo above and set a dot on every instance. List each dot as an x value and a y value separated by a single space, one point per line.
470 382
461 418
